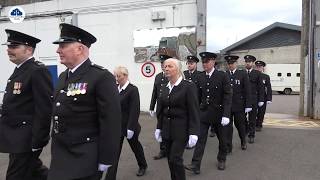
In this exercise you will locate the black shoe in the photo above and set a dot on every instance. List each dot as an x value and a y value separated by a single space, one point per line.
159 156
251 140
243 146
229 151
192 168
141 171
221 165
258 129
212 134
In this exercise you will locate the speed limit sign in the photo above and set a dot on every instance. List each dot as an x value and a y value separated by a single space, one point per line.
148 69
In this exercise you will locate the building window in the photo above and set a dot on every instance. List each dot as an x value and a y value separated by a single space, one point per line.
298 74
288 74
279 74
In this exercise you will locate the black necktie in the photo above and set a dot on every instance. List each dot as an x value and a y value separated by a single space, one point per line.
69 74
231 73
207 76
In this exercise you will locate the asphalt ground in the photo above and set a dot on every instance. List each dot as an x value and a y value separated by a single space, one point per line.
279 153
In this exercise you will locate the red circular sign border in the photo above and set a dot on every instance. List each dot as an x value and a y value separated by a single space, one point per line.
154 67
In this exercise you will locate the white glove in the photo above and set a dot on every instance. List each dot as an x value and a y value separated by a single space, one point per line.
246 110
129 134
34 150
260 104
103 167
225 121
157 135
269 102
152 113
193 139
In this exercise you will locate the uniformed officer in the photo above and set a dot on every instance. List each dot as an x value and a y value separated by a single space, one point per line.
215 105
130 109
240 100
260 65
159 81
86 112
256 97
192 75
192 72
26 110
178 117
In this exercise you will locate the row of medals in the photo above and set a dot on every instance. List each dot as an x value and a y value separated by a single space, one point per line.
76 89
17 88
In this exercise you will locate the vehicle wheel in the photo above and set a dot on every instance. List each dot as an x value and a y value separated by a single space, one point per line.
287 91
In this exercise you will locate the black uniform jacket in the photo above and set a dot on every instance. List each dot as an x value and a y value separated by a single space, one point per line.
215 92
159 81
267 87
257 88
130 108
192 77
241 90
87 124
26 109
178 114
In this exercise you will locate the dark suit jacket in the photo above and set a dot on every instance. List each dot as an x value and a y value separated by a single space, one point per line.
25 116
86 127
159 82
267 87
178 114
241 90
257 89
130 108
192 77
215 92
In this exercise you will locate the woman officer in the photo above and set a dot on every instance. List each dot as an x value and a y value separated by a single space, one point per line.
178 117
130 111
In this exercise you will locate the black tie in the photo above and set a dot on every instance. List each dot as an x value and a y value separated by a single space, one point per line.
248 72
231 73
69 74
207 76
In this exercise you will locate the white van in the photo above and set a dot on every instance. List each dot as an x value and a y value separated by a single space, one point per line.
284 78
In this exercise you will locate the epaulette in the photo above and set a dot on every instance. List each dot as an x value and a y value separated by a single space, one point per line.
98 66
39 63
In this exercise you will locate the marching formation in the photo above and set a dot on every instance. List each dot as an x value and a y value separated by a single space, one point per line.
91 111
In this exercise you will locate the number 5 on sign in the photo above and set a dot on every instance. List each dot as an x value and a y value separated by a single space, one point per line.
148 69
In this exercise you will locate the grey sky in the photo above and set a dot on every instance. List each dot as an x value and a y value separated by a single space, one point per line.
229 21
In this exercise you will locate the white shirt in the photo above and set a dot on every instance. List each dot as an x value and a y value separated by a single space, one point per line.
210 73
75 68
233 71
123 87
19 65
175 84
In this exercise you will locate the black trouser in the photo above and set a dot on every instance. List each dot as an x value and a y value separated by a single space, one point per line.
138 152
260 115
26 166
239 119
97 176
206 118
252 118
175 149
163 148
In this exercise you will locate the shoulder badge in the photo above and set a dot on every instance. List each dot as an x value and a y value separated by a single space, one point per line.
39 63
98 66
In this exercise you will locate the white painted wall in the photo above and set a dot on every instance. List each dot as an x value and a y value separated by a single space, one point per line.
112 22
274 55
